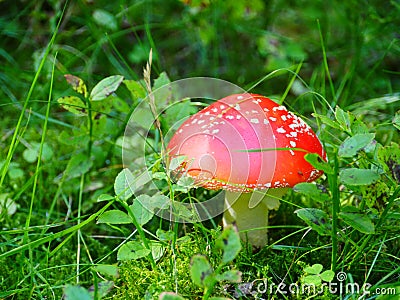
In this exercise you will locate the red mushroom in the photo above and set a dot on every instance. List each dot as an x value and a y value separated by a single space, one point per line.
251 147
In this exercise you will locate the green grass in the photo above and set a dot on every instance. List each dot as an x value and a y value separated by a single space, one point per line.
334 64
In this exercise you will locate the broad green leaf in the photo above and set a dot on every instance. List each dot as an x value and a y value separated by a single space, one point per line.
229 242
176 163
165 236
136 88
114 216
201 271
314 269
110 270
124 184
317 162
312 190
75 292
73 104
132 250
354 176
76 138
352 145
230 276
170 296
157 250
106 87
327 275
316 219
314 280
104 197
343 118
77 84
78 165
141 212
105 19
358 221
31 154
162 80
162 91
7 205
327 121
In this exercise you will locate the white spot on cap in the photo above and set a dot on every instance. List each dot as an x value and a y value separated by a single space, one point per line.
240 97
280 107
222 106
293 144
281 130
230 117
283 117
215 131
272 119
266 122
237 106
255 121
238 117
291 152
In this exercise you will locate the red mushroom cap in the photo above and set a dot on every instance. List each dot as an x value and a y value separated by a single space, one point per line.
244 142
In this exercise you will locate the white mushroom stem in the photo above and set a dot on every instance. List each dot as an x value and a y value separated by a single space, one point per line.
249 211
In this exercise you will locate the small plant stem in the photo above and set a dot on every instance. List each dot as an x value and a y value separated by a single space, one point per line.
78 235
333 184
90 124
141 233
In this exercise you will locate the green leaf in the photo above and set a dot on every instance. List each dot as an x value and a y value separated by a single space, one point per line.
109 270
165 236
170 296
132 250
352 145
77 84
31 154
78 165
124 185
327 121
74 292
358 221
316 219
343 118
105 19
105 197
314 280
229 242
157 250
327 275
114 216
312 190
141 212
7 205
230 276
354 176
317 162
314 269
73 104
106 87
201 271
137 89
162 80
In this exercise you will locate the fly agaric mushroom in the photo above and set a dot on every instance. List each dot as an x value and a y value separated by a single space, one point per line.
252 148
